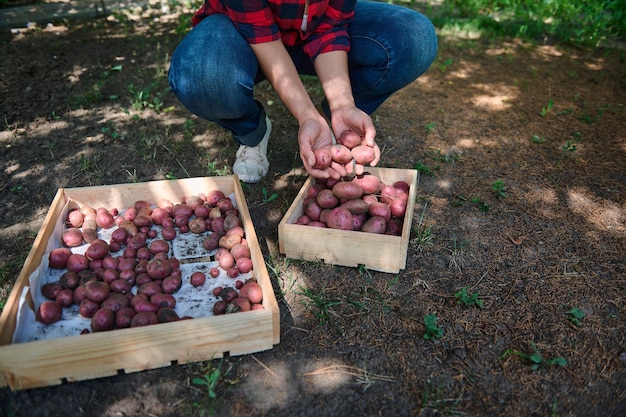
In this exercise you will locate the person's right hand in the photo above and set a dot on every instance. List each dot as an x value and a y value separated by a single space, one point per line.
314 133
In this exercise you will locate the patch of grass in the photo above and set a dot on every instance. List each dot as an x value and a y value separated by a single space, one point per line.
570 147
469 298
499 189
434 399
423 169
443 67
423 234
483 206
430 126
212 169
575 315
267 197
320 305
432 330
214 376
10 268
588 23
546 109
440 156
143 97
538 139
88 169
455 259
536 360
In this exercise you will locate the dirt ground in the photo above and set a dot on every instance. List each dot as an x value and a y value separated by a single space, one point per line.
521 154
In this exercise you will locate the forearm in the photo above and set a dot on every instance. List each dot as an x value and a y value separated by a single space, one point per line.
281 73
332 71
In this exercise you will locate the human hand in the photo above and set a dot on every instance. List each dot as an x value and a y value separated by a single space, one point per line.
314 135
354 127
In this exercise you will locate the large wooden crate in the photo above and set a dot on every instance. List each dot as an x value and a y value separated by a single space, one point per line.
81 357
349 248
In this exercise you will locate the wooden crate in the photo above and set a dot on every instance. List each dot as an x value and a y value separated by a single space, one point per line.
81 357
349 248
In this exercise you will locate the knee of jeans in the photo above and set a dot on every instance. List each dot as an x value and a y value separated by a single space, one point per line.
424 44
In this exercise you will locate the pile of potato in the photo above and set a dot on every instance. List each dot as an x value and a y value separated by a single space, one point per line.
130 280
364 204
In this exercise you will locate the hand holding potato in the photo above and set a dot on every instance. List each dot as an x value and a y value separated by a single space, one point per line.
315 140
354 129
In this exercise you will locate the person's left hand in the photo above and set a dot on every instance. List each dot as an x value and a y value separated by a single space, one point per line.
356 120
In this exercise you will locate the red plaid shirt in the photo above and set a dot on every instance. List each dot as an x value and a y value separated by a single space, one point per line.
269 20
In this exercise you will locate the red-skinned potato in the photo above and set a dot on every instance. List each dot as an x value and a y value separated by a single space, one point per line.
326 199
240 250
380 209
158 268
104 219
312 210
347 190
349 139
88 308
229 241
303 220
197 279
356 206
58 257
387 194
228 294
341 219
149 289
211 242
369 183
65 297
98 249
252 291
97 291
145 318
244 265
340 153
313 190
72 237
363 154
375 224
242 303
171 284
123 317
115 301
213 197
159 246
77 262
164 300
398 207
402 186
49 312
219 307
103 320
51 289
323 157
394 227
69 280
143 306
167 315
75 218
230 221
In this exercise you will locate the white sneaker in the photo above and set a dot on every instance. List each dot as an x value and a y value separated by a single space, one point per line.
251 163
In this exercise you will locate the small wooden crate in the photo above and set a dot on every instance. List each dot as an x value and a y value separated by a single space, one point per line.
81 357
349 248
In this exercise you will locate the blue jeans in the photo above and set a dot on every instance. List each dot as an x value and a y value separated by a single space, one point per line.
213 70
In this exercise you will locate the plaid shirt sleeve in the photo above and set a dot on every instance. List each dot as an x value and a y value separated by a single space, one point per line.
269 20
